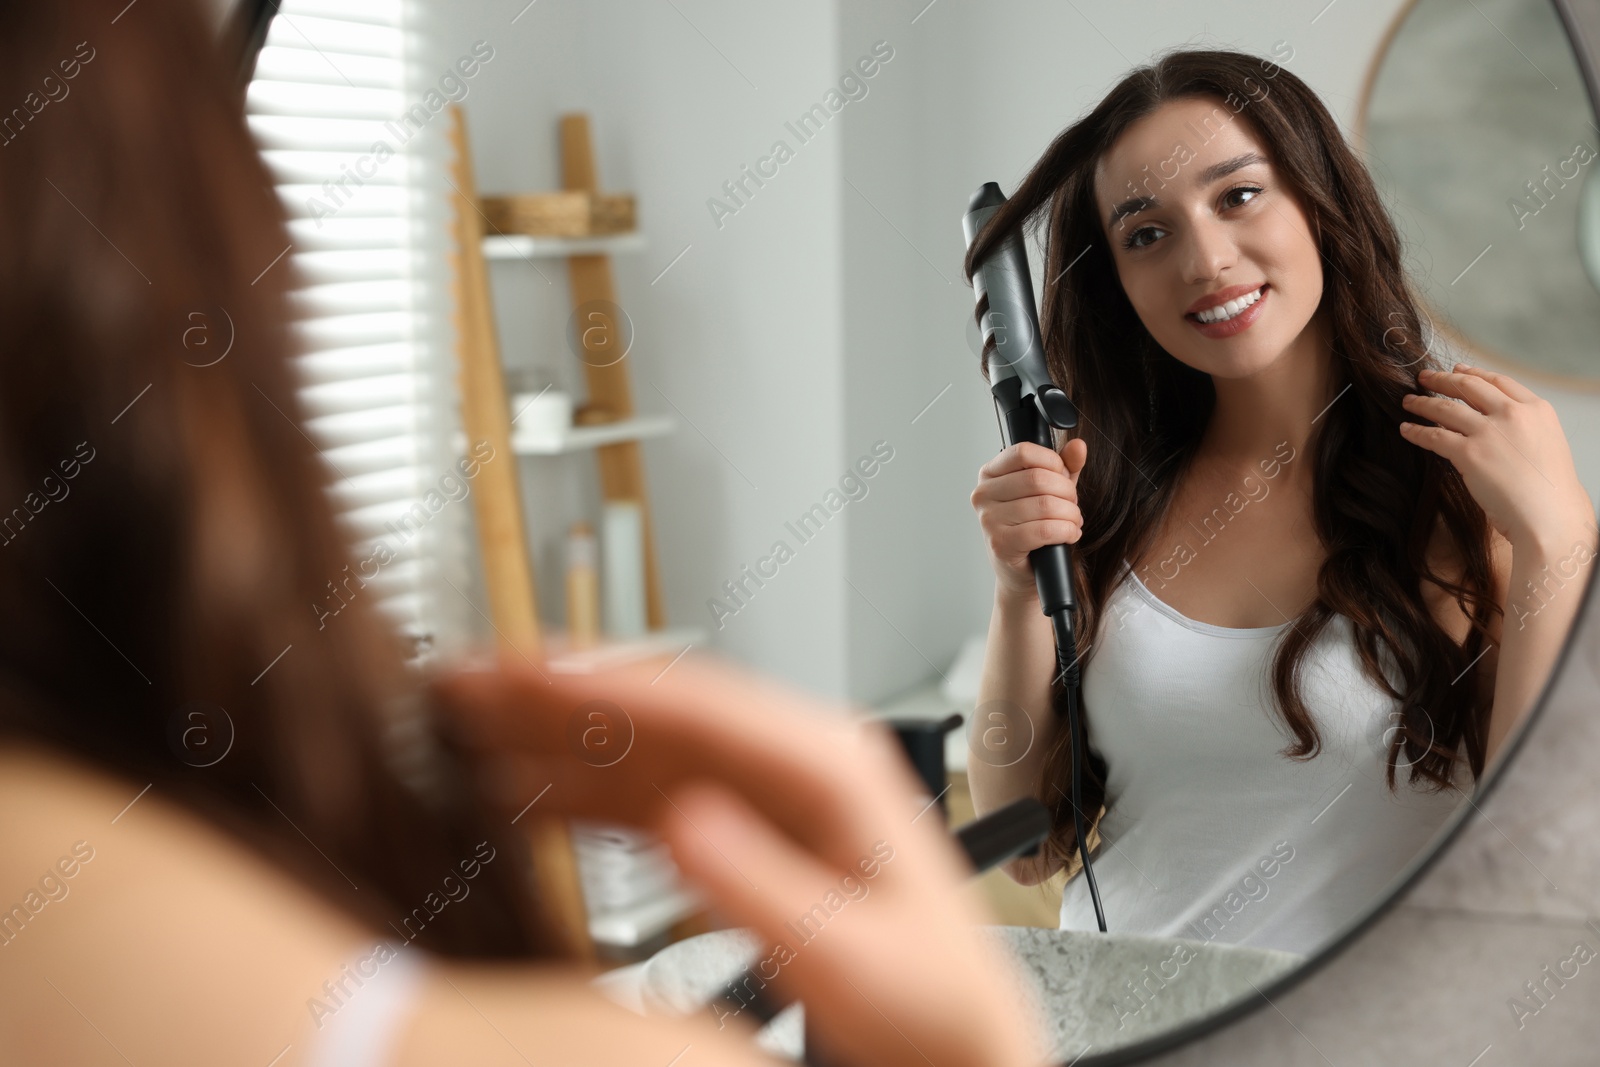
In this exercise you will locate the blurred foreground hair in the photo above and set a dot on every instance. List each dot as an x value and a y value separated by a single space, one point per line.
164 525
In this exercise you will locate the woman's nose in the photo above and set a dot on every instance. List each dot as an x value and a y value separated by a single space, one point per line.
1208 248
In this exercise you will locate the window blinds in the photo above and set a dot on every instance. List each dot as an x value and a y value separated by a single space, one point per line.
367 197
369 247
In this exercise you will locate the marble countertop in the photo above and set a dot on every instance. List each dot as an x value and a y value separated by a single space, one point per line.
1088 989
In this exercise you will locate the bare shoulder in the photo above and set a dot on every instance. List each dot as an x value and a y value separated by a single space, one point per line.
186 948
120 906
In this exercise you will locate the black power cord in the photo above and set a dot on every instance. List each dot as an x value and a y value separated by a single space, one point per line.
1067 661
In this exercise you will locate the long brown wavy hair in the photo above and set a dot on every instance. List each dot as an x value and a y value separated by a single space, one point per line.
1377 498
166 527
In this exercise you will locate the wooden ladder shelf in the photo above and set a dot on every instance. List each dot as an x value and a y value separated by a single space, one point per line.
610 394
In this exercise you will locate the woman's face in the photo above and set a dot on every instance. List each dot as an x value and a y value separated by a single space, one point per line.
1219 220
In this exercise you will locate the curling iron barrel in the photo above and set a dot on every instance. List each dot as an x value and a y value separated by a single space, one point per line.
1027 402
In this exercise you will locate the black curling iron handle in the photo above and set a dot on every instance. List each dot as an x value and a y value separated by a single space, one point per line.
1052 564
1003 834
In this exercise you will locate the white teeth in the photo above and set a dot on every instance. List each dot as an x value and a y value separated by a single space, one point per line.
1230 309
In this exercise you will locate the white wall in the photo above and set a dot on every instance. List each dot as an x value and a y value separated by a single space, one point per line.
829 311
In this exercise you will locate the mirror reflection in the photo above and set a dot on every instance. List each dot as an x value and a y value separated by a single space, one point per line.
570 459
1292 613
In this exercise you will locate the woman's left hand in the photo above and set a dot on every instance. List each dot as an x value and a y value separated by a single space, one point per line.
1510 449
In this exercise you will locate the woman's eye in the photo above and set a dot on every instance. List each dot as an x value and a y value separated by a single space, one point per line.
1132 240
1242 189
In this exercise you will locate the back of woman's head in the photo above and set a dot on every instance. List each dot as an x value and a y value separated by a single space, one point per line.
164 530
1377 499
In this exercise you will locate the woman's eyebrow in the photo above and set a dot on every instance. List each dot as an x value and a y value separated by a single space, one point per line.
1136 204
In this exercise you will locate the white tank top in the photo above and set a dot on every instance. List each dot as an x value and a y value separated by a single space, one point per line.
360 1021
1210 833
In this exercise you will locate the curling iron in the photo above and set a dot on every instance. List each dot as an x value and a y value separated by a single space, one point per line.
1029 407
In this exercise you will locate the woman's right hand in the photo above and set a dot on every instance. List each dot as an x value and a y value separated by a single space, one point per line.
1027 497
771 802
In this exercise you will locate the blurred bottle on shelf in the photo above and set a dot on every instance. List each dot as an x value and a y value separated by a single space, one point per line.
583 587
622 559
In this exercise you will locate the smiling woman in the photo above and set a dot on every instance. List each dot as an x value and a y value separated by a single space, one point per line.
1297 683
1283 250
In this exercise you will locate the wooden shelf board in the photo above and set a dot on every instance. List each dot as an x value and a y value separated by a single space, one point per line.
522 246
581 437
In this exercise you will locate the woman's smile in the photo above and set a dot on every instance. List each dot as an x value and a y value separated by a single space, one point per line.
1238 322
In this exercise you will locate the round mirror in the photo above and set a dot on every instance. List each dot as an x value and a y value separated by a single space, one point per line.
807 398
1481 134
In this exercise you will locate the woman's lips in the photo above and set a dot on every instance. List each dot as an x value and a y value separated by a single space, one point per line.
1238 324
